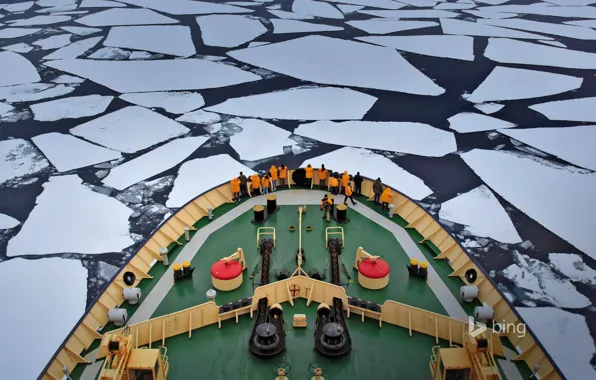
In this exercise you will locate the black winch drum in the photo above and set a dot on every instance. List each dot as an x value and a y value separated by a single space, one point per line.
271 203
342 212
259 212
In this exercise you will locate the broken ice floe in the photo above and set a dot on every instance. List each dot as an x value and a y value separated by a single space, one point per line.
53 42
453 26
382 4
199 117
346 9
7 222
68 79
315 58
420 3
17 32
80 30
307 103
110 53
554 43
100 4
41 20
94 222
404 137
425 13
570 31
125 16
572 144
19 159
316 9
571 12
512 51
229 30
585 23
537 183
18 48
572 266
166 39
74 50
21 70
491 15
543 283
374 166
456 47
448 6
384 26
186 186
581 109
565 336
60 290
5 109
488 108
173 102
289 15
505 83
482 214
252 131
18 7
67 152
71 108
281 26
158 75
140 55
130 129
187 7
33 92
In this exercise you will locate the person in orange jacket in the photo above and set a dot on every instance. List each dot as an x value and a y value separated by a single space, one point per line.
273 177
235 189
255 184
265 183
348 194
323 174
282 173
308 170
345 178
386 198
334 184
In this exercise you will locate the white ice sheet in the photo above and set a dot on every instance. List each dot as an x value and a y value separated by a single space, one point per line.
94 222
347 9
488 108
566 337
18 48
74 50
110 53
18 7
375 166
173 102
17 32
452 26
420 3
33 92
21 70
489 14
67 79
289 15
186 186
554 43
467 122
570 31
60 290
153 162
505 83
571 12
334 61
71 108
101 4
536 183
316 8
455 47
448 6
281 26
8 222
572 144
229 30
322 103
384 26
250 145
53 42
404 137
140 55
199 117
572 266
80 30
159 75
41 20
382 4
125 16
67 152
586 23
581 109
482 214
410 13
19 158
504 50
187 7
130 129
169 39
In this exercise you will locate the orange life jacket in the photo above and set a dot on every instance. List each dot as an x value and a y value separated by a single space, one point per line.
348 191
255 182
273 172
345 178
308 172
323 174
283 172
386 196
265 182
334 182
235 185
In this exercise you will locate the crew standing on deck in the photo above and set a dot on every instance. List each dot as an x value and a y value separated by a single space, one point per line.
326 207
348 194
265 183
235 189
358 183
377 190
255 184
273 177
323 174
345 178
243 186
309 171
334 184
386 198
282 173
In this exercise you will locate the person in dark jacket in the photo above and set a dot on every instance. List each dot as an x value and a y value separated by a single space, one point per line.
377 190
358 184
243 188
326 207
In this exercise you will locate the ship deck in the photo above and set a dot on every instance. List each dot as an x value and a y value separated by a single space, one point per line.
218 353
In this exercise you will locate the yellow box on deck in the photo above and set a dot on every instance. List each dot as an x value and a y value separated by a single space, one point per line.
300 320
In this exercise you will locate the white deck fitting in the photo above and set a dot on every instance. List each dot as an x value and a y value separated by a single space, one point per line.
294 197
